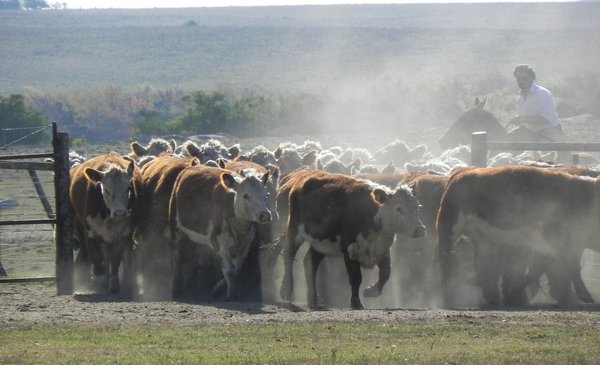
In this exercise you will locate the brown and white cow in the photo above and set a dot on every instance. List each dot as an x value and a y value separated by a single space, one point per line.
341 216
220 209
546 212
258 272
102 193
155 246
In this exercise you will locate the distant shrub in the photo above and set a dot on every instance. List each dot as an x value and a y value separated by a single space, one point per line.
190 23
17 120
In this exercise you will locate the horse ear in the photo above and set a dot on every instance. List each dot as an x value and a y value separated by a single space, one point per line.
480 104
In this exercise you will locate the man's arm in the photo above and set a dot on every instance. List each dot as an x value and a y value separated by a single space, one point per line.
529 119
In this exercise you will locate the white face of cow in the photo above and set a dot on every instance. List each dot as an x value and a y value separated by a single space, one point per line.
398 212
114 184
250 201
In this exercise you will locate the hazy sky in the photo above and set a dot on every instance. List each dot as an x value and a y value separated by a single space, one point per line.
76 4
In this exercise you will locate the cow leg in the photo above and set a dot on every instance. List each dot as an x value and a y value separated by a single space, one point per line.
572 261
115 252
311 265
97 254
559 281
355 278
180 253
268 262
487 263
512 289
384 274
129 270
82 267
289 254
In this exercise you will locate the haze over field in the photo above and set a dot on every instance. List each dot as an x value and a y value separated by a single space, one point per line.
139 4
410 64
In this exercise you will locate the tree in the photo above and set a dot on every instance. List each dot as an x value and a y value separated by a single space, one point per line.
18 120
35 4
10 5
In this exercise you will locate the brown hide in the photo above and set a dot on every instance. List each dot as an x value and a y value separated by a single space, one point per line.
338 213
87 201
530 201
158 180
428 190
389 180
156 244
200 199
85 196
202 211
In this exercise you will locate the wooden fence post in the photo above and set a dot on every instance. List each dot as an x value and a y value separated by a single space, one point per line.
479 149
64 218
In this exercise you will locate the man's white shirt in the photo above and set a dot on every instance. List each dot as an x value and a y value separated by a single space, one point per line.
539 101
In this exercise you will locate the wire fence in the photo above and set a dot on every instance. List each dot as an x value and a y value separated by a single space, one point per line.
27 250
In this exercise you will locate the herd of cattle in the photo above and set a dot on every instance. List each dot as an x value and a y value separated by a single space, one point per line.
182 221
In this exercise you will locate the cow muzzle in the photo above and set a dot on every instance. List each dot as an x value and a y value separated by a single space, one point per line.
419 232
119 213
265 217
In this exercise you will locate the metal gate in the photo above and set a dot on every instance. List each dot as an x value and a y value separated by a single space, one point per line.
61 221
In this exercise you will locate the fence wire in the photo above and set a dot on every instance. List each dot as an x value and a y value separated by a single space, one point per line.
27 250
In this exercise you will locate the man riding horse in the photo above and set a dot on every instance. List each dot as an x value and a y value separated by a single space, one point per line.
537 120
536 110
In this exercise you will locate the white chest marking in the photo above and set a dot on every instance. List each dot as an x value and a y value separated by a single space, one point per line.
109 229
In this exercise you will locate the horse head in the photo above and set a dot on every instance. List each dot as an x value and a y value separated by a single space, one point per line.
473 120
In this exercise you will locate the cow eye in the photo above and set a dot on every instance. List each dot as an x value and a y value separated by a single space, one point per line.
246 196
400 210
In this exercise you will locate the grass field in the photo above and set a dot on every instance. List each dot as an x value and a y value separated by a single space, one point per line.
326 343
308 48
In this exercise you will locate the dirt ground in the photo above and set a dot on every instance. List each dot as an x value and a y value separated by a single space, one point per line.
38 304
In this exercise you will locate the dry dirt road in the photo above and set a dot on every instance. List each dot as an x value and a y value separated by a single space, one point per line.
38 304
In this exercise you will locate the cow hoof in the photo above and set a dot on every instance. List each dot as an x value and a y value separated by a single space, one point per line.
586 298
286 291
317 307
355 304
372 291
113 285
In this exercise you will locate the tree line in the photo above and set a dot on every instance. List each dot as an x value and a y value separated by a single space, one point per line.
110 115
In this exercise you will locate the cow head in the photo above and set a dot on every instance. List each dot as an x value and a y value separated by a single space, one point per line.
250 201
398 211
115 184
290 159
473 120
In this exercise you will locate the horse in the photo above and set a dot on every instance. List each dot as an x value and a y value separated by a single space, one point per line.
478 119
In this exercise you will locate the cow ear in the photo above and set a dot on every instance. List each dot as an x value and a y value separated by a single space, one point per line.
319 165
173 145
227 180
412 186
131 168
194 162
192 149
138 149
277 152
265 178
234 151
273 171
310 158
93 175
221 163
380 196
356 164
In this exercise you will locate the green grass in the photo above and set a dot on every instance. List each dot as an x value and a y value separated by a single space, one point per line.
327 343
